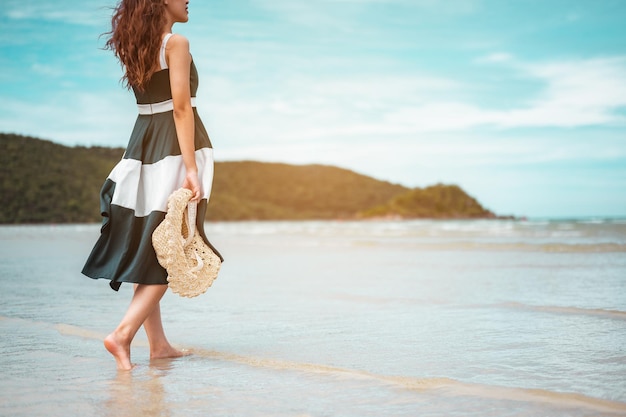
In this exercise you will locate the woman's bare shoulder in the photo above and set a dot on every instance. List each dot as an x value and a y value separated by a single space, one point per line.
178 42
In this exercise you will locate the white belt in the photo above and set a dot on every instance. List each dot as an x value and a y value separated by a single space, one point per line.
161 107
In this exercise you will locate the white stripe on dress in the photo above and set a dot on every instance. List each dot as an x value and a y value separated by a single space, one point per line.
145 188
160 107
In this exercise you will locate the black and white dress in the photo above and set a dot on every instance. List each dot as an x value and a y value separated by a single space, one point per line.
133 199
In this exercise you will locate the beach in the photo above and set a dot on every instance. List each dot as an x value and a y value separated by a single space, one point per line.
332 318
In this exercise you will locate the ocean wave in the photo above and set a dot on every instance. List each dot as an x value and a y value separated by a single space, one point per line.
545 247
378 300
544 236
612 314
502 246
469 234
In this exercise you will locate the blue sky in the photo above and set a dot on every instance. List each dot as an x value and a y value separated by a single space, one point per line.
521 103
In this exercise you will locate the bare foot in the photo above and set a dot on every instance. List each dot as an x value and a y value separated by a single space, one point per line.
120 351
168 352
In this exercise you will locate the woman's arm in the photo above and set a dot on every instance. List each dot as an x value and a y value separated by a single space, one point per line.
179 63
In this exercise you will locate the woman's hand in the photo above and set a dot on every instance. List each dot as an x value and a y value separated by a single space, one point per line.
193 183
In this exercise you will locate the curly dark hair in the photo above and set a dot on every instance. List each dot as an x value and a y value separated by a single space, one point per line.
135 39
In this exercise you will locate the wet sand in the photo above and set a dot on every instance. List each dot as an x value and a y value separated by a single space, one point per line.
330 319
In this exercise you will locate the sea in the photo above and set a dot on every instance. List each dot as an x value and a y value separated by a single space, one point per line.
332 318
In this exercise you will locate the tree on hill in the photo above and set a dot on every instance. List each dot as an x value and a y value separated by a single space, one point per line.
41 181
437 201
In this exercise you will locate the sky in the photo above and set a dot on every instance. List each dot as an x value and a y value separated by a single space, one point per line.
522 103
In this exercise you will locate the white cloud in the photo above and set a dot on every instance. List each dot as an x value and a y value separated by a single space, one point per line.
73 118
342 15
595 83
576 93
84 12
368 108
456 6
47 70
319 109
495 57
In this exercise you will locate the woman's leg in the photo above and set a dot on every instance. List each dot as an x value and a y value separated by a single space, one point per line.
159 345
144 302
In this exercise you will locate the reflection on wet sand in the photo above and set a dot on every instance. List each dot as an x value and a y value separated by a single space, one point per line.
140 392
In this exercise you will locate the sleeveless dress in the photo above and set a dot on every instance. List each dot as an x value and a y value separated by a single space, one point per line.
133 199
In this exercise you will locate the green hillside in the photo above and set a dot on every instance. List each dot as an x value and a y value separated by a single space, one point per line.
437 201
245 190
44 182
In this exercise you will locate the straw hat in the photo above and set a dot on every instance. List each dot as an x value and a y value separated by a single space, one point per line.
190 263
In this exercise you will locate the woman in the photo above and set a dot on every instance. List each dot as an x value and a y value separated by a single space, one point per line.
168 148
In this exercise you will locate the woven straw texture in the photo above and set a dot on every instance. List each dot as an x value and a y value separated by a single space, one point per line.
190 263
